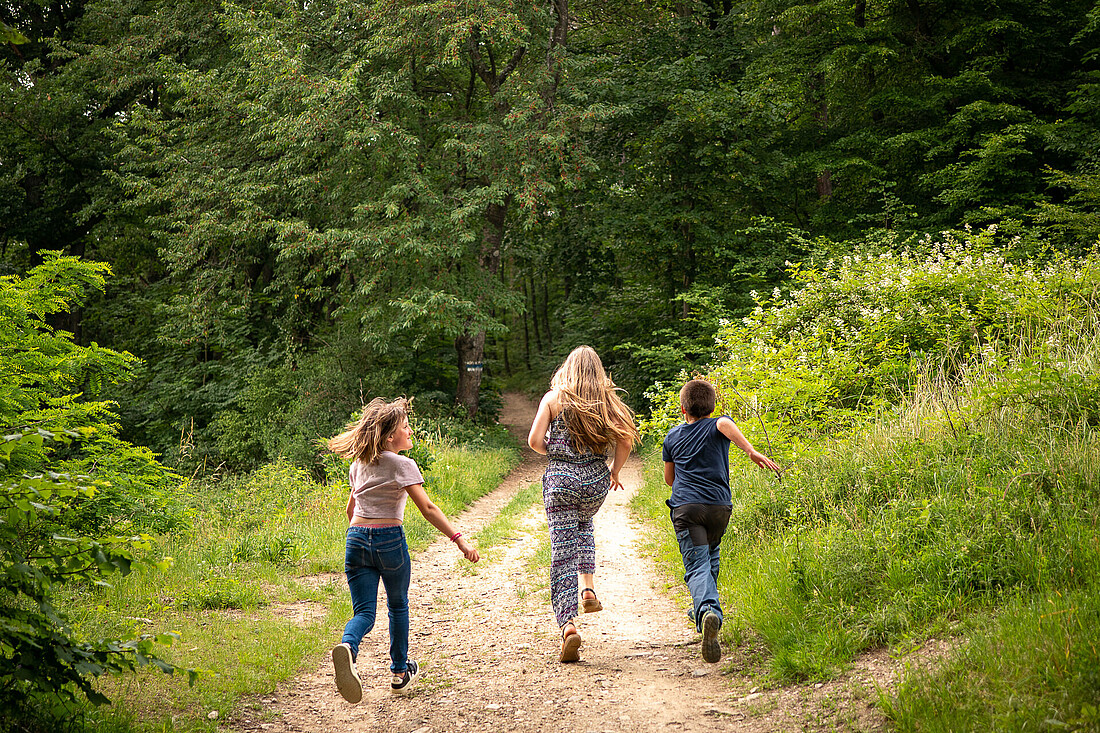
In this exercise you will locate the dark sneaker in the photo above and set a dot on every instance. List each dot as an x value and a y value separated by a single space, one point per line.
402 684
347 678
712 650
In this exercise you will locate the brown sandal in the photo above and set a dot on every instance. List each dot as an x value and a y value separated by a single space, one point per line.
590 605
570 644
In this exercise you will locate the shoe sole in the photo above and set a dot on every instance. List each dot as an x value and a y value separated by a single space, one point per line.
712 650
592 605
571 648
347 682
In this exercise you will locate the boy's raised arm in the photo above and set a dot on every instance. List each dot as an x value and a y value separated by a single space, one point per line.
729 429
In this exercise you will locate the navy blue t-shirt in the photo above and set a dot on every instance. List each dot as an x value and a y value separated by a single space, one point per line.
701 455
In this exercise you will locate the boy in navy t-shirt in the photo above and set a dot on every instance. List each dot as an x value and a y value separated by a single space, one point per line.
696 455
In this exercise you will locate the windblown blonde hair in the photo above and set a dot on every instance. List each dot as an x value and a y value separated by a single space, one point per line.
595 415
363 440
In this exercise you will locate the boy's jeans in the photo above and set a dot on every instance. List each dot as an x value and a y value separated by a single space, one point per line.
374 554
699 529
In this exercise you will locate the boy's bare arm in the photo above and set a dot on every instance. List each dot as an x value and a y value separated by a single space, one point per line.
670 472
729 429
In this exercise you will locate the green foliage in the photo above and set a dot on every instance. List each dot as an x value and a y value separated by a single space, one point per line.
42 367
854 335
46 380
74 499
39 655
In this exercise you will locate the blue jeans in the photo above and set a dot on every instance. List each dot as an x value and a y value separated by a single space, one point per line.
374 554
701 564
699 530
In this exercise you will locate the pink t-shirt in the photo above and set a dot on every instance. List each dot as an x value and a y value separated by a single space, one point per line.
379 487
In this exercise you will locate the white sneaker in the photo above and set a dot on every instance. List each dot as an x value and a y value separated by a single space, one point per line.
402 683
347 678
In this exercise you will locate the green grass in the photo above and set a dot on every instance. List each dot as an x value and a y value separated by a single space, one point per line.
1036 666
977 521
506 523
233 589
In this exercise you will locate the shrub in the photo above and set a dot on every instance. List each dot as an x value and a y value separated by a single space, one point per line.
74 500
852 336
40 656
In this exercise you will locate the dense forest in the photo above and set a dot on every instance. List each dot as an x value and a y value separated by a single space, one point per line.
224 226
305 203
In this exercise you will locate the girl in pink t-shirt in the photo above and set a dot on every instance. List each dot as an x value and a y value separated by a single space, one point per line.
381 479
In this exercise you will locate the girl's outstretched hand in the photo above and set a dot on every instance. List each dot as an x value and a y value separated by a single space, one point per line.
468 550
616 484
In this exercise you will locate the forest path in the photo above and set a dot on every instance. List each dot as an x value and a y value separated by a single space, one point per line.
488 646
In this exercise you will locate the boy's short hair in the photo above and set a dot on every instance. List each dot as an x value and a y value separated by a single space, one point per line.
698 398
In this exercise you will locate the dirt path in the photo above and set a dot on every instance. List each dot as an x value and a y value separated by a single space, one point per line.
487 643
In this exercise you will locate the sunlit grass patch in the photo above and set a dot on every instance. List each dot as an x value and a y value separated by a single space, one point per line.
236 653
507 522
1035 666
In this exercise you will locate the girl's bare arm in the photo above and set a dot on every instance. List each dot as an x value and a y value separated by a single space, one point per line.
438 519
547 409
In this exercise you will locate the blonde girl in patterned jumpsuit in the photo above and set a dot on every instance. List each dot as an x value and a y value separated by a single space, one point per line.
579 420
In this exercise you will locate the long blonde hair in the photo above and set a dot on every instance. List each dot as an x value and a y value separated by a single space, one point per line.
595 415
363 440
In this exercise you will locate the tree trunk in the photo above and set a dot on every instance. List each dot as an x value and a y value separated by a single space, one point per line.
470 348
526 330
533 307
470 345
546 314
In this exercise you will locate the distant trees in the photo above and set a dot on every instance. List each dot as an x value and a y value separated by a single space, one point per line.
416 196
360 161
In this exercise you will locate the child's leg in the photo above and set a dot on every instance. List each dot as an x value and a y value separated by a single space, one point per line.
715 561
561 517
363 583
396 572
697 574
591 499
699 529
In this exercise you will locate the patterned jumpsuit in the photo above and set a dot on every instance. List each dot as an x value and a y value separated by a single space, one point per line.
573 489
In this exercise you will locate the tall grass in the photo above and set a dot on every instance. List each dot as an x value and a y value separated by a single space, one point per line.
1036 666
242 591
970 508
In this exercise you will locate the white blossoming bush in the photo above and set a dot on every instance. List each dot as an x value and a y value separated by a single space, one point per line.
852 336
